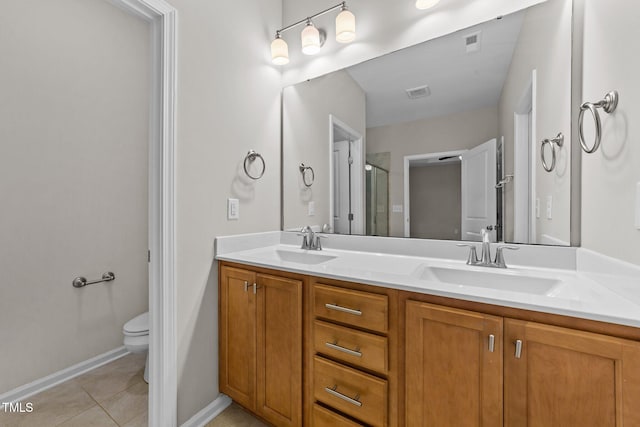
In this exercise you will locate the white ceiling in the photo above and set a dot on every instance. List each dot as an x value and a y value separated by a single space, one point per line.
458 80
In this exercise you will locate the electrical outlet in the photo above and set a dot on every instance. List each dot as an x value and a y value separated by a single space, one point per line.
537 207
549 207
233 209
312 208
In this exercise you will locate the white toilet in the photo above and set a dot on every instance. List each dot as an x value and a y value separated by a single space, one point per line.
136 338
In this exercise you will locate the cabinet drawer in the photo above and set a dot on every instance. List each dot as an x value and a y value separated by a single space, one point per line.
359 348
359 395
323 417
362 309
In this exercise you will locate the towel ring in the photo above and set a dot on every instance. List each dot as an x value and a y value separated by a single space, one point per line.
303 171
608 104
251 157
559 141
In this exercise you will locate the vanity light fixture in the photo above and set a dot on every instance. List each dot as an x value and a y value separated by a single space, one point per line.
426 4
311 37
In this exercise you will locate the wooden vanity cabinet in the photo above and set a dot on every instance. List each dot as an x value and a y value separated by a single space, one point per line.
565 377
536 375
261 343
453 367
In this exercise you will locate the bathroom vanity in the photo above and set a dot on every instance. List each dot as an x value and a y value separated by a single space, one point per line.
346 338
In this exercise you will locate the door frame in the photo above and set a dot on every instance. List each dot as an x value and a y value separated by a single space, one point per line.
407 164
163 385
358 190
524 198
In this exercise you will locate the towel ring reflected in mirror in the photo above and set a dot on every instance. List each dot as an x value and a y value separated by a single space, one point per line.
608 104
553 142
250 158
303 171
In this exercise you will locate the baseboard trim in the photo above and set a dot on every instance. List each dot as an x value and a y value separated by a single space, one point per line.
209 412
23 392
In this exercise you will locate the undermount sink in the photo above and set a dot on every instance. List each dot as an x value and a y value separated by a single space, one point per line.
302 257
505 281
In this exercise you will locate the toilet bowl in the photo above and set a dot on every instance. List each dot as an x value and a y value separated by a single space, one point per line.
136 338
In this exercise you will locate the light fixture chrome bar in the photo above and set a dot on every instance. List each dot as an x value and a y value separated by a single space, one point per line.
307 19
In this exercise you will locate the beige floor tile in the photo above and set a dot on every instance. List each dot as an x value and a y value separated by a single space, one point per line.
140 421
94 417
109 380
128 404
235 416
51 407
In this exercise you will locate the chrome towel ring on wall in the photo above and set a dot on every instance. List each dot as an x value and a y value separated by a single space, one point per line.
553 142
251 157
608 104
303 171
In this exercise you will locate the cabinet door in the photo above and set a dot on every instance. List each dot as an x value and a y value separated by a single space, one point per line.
564 377
279 371
453 374
238 335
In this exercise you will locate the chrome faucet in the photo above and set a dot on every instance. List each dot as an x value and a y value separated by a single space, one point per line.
310 240
485 260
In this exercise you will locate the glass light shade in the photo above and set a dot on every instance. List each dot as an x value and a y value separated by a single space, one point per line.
279 51
310 40
426 4
345 27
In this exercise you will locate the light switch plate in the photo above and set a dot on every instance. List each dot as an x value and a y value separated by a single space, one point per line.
638 206
396 208
233 209
312 208
549 207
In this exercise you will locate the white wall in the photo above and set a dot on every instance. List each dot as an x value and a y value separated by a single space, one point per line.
544 44
305 136
448 133
228 103
382 26
73 181
610 176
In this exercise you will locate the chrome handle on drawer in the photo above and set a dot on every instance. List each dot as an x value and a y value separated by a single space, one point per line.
333 391
334 345
343 309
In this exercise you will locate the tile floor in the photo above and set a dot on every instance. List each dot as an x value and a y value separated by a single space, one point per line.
113 395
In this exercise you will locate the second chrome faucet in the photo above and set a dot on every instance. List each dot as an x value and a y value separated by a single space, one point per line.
310 240
485 260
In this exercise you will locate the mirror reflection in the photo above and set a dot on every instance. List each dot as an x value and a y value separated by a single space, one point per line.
442 139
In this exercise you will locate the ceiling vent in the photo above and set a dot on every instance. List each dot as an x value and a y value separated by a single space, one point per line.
472 42
418 92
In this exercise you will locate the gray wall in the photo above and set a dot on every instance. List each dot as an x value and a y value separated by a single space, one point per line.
448 133
73 181
610 176
305 135
544 44
228 103
436 201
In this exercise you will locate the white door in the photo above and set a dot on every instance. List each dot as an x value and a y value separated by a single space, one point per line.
341 187
479 208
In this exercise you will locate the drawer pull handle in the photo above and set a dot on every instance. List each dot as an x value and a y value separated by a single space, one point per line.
343 309
334 345
492 343
333 391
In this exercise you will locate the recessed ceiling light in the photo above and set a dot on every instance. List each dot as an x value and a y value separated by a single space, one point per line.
426 4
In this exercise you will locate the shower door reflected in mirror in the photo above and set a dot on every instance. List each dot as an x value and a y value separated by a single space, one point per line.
377 201
507 80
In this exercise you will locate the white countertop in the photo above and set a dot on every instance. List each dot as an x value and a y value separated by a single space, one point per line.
580 283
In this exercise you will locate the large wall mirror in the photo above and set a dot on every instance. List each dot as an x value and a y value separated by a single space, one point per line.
441 139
